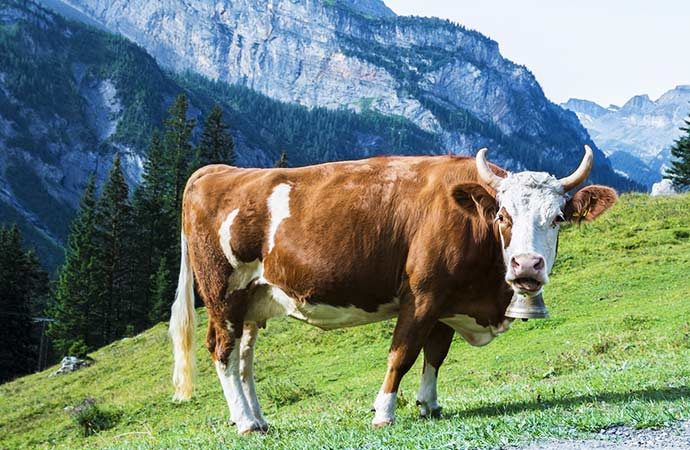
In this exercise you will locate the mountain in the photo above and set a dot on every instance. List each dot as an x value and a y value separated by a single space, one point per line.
637 136
71 96
357 55
325 80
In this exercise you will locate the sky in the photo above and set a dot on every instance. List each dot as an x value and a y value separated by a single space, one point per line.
600 50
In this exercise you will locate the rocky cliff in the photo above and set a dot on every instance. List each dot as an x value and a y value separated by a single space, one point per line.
446 79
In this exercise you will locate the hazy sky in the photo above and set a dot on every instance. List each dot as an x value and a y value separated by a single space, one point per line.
601 50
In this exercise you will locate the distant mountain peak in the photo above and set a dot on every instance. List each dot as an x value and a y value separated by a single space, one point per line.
637 102
637 136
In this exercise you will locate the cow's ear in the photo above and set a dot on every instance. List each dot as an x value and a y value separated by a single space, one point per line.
475 200
589 203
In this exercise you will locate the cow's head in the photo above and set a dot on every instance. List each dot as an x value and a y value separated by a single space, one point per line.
527 213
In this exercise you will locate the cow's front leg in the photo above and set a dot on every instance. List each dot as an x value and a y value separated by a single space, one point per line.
413 326
435 350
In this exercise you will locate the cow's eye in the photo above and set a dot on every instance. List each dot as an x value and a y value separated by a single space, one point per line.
500 218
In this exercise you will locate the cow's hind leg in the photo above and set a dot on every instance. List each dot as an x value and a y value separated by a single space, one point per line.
414 325
435 351
226 310
229 330
249 335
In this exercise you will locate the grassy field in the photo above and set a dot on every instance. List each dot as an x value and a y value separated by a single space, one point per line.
616 351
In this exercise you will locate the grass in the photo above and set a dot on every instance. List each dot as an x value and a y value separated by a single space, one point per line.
616 351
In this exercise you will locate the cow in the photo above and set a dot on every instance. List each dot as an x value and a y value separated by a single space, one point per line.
442 243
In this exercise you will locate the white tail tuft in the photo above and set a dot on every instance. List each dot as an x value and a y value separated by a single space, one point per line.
182 324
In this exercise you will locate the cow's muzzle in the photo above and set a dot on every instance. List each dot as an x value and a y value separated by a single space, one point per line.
524 307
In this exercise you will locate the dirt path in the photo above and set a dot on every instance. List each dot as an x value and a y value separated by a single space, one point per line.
623 438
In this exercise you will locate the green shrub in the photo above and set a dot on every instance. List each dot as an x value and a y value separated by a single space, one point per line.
91 419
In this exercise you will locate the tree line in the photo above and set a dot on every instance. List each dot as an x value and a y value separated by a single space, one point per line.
123 250
122 253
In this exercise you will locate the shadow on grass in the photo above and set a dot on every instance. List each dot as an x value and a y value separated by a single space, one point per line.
658 395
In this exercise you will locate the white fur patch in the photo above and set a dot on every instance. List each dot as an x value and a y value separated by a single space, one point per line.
426 396
385 408
470 330
247 371
270 301
279 209
240 411
225 234
244 272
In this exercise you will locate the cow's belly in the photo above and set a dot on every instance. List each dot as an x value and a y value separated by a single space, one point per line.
270 301
475 334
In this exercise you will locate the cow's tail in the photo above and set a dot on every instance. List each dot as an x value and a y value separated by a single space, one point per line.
182 324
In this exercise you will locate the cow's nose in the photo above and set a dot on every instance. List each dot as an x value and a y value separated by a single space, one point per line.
528 263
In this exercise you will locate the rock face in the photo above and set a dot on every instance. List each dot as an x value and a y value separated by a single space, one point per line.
663 187
358 55
637 136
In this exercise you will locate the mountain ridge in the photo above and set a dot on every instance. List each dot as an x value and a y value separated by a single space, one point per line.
637 136
444 78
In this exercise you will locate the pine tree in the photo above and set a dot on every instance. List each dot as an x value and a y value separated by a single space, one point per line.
114 256
283 160
155 216
20 282
679 172
178 134
161 298
76 292
216 145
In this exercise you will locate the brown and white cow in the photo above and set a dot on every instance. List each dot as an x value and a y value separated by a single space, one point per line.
441 243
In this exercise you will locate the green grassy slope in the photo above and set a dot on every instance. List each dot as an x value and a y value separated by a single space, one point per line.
616 351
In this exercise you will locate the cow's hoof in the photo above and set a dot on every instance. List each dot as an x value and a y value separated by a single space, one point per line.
431 414
382 423
253 427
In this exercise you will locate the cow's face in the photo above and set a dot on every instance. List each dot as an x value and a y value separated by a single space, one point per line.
530 212
527 213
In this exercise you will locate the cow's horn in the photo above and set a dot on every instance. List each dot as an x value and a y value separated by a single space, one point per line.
581 173
485 173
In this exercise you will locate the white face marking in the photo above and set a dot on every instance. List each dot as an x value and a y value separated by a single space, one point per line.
279 209
426 396
475 334
385 408
534 201
240 411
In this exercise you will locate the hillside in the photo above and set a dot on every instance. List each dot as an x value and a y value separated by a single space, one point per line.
615 351
637 136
